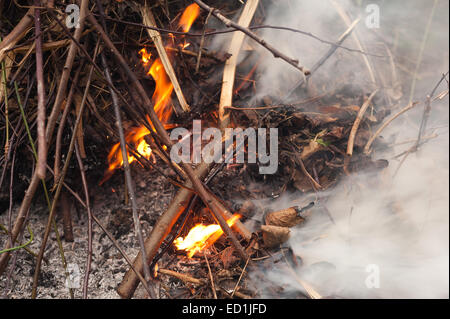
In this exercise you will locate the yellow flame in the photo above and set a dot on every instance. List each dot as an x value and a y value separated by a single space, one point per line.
201 237
146 56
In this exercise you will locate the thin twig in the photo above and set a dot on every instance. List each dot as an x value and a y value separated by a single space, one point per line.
239 280
229 23
351 139
231 30
202 43
183 277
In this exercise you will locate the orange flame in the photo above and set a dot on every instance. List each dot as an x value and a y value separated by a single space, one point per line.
161 100
201 237
135 137
190 14
163 90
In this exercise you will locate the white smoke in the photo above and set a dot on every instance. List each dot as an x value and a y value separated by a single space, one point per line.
391 232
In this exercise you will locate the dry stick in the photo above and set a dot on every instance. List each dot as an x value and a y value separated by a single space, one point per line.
88 206
149 19
31 190
206 197
367 149
63 174
351 139
229 23
42 144
315 184
165 223
66 218
183 277
229 72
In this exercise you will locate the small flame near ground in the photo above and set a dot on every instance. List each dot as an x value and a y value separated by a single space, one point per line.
201 237
161 100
